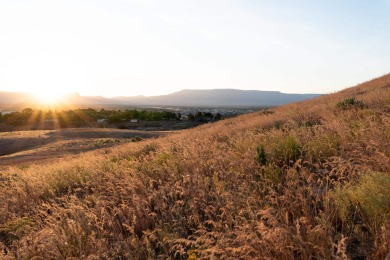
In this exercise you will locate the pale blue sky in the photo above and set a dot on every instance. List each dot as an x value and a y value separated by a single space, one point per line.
134 47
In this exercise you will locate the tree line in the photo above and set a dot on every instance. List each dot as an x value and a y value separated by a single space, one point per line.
84 117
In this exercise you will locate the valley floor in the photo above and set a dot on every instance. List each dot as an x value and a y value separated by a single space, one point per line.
25 147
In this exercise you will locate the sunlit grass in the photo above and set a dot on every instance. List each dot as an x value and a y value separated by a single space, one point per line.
309 180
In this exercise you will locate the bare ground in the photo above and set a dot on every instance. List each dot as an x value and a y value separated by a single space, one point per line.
26 147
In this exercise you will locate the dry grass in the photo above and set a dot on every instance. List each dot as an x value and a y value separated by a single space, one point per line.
306 180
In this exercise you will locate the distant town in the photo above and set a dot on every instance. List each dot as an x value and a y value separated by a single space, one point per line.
141 118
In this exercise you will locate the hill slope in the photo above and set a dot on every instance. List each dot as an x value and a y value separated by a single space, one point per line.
307 180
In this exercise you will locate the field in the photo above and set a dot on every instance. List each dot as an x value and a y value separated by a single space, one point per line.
309 180
25 147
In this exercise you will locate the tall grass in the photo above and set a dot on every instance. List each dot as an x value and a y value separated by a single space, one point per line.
306 180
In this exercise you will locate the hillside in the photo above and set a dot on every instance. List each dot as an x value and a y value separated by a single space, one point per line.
304 180
29 100
14 98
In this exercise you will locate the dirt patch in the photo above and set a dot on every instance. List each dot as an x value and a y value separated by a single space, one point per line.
24 147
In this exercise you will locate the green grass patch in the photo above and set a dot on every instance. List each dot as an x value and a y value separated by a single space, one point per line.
369 196
15 229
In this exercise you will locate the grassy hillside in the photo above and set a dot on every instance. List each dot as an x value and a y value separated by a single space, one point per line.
306 180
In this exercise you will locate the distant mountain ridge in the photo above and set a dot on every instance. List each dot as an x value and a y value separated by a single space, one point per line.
223 97
218 97
186 97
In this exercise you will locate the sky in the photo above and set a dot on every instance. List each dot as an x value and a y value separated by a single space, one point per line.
145 47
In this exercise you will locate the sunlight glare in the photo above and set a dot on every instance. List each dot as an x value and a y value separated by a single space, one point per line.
49 97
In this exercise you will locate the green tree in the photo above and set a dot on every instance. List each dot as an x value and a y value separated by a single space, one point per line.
199 114
114 118
208 115
27 111
218 116
191 117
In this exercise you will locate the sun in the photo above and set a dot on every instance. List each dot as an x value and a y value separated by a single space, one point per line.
49 97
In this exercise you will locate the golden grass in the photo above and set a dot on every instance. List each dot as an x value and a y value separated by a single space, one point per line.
317 188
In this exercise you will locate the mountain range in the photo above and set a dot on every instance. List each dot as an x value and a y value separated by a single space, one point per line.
201 98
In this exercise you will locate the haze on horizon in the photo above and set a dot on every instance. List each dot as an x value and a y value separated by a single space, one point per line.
145 47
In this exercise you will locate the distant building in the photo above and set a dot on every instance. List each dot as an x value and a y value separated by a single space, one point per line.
134 121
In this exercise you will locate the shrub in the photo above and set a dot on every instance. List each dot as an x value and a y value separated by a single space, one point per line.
351 103
137 139
285 152
261 155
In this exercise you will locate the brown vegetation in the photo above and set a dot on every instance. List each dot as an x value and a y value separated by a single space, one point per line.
306 180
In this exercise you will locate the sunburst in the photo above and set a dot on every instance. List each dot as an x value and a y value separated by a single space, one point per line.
49 97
